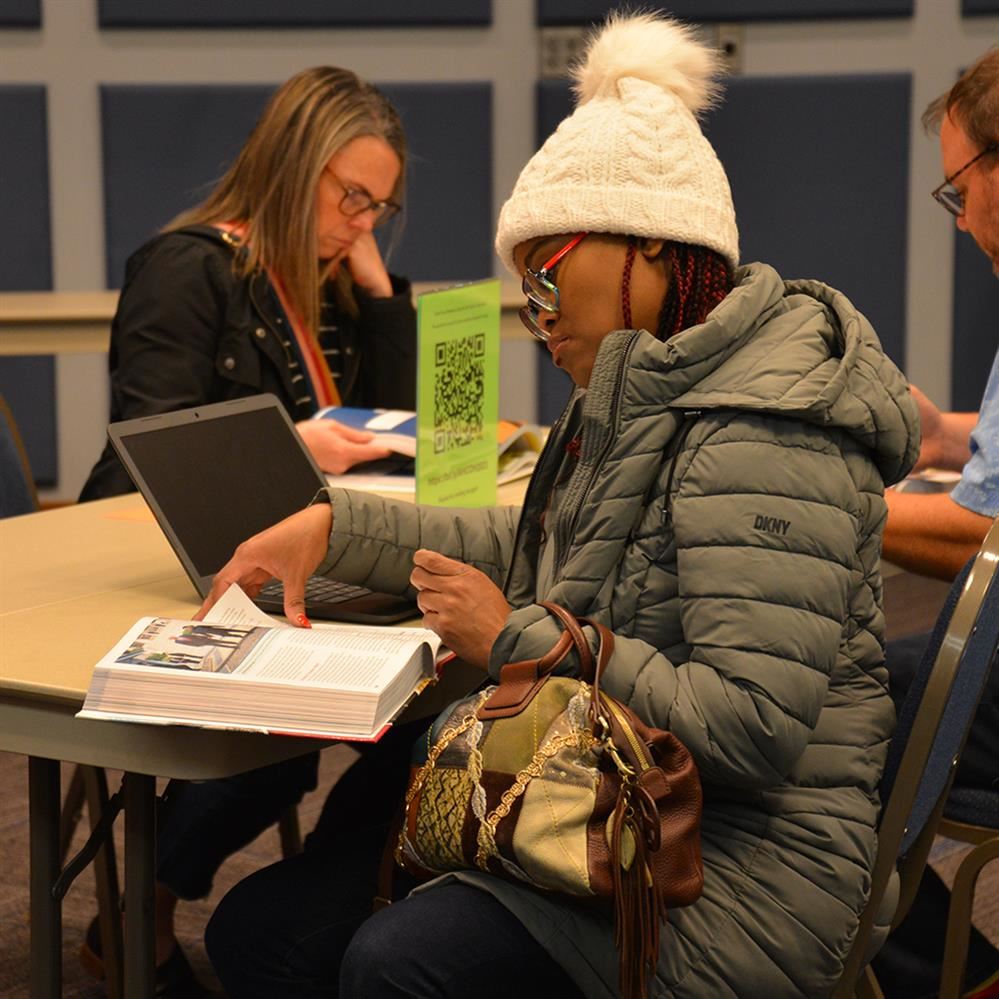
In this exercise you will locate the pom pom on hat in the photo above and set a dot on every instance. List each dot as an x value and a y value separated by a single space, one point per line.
649 48
631 158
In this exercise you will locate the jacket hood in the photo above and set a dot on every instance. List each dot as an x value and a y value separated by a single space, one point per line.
798 349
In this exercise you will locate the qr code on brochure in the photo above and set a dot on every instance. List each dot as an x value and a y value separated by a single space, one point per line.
459 392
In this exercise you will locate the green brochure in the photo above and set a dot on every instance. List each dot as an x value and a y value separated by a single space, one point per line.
457 399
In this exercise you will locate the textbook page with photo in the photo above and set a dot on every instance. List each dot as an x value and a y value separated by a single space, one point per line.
518 447
239 669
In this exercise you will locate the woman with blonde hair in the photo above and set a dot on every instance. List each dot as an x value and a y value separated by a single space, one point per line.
275 283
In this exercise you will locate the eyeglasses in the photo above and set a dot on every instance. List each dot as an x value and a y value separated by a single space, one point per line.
357 201
541 291
948 195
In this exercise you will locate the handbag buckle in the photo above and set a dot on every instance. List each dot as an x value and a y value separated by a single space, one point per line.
606 742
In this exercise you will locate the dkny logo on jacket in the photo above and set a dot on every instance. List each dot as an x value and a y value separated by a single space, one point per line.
771 525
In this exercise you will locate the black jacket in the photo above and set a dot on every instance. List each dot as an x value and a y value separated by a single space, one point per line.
189 331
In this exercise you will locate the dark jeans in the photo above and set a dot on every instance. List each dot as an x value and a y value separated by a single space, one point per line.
909 964
201 823
304 928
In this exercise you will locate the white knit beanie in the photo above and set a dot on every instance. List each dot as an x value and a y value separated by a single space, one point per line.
631 159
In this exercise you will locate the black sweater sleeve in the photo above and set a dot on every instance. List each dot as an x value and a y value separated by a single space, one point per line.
388 348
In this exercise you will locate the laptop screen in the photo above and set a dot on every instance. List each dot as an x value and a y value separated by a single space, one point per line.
218 474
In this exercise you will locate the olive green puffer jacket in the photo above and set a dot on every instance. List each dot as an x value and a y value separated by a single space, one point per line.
724 519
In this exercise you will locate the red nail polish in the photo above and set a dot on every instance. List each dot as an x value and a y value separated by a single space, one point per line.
303 621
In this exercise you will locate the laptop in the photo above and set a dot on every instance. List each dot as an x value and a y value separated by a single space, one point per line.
216 475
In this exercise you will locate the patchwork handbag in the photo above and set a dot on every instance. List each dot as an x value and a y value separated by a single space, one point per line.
550 782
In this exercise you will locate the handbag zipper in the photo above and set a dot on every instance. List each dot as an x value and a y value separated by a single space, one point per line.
638 747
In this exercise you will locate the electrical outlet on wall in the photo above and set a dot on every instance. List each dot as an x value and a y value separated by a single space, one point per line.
560 47
730 40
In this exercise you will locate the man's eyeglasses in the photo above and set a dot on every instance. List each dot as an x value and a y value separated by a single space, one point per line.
357 201
541 291
948 195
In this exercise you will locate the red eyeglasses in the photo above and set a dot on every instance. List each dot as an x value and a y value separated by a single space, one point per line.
541 291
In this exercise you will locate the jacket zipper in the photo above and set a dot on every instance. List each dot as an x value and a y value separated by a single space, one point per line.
562 537
546 450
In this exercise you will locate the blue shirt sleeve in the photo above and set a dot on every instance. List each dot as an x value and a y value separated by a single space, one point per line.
978 489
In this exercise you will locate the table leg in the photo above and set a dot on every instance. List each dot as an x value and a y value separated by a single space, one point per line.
46 862
140 856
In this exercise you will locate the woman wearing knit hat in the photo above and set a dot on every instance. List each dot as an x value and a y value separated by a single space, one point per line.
713 493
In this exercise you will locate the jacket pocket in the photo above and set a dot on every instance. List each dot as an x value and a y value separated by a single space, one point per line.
238 361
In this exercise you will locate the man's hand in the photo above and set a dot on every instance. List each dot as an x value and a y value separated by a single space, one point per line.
338 448
459 603
931 430
288 551
945 436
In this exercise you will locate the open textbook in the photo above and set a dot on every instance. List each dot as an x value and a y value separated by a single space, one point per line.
239 669
519 447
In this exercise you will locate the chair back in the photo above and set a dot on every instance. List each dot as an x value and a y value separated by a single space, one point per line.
933 725
17 487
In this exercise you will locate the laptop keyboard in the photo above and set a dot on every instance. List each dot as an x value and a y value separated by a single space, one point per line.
319 590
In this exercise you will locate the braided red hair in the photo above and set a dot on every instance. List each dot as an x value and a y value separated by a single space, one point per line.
700 278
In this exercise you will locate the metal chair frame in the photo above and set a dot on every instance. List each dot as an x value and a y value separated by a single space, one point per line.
985 840
904 839
7 419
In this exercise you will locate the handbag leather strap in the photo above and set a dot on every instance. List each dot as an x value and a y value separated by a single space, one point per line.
604 651
571 625
520 681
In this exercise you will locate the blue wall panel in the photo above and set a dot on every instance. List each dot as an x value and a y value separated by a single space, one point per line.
449 219
976 323
811 199
288 13
822 188
27 383
584 11
25 250
20 13
165 145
